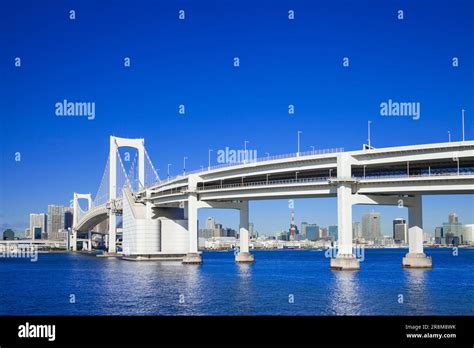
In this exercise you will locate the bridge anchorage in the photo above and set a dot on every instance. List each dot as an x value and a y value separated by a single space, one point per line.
159 217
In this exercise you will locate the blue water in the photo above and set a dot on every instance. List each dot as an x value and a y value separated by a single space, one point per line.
221 287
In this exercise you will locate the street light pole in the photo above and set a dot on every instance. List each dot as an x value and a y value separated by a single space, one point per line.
368 133
169 165
298 153
184 165
312 149
449 136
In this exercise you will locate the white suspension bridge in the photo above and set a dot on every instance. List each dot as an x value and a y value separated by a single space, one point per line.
159 217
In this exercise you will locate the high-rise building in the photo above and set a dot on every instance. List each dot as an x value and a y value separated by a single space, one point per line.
400 231
332 230
356 230
304 225
453 218
453 230
38 226
56 220
218 230
371 227
323 232
468 234
439 235
252 233
210 223
312 231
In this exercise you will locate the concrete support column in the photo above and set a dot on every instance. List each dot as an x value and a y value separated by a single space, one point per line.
74 240
344 259
89 241
244 255
416 258
415 212
192 257
344 219
112 248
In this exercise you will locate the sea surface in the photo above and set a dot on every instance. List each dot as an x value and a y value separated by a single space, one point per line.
280 282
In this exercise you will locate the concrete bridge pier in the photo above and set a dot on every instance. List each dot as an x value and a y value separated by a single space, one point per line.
193 256
89 241
416 258
74 240
345 259
244 255
112 247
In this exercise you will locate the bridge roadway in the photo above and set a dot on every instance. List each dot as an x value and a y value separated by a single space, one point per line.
390 176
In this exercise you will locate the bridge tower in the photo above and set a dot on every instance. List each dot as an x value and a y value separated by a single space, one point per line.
76 211
115 144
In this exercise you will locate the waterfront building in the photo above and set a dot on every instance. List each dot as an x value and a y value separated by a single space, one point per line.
371 226
38 226
304 225
439 235
312 232
356 230
468 234
8 234
56 220
332 231
323 233
453 218
210 223
400 231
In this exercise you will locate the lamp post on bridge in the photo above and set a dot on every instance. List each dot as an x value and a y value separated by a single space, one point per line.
368 134
169 165
312 149
462 117
449 136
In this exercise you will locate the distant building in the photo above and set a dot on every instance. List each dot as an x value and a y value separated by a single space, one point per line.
230 232
311 231
439 235
356 230
371 226
8 234
323 232
332 230
206 233
38 226
210 223
452 233
252 232
468 234
304 225
283 235
57 220
453 218
400 231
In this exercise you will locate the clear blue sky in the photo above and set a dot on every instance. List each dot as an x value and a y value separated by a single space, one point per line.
190 62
